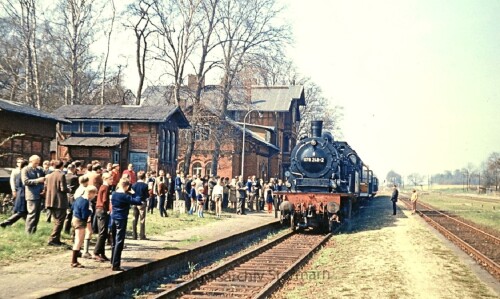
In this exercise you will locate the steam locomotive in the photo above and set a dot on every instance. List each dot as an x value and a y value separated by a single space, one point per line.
325 182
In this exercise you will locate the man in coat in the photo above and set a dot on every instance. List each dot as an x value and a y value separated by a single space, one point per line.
56 200
33 179
394 199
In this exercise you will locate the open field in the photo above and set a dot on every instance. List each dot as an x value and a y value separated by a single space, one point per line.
16 245
483 212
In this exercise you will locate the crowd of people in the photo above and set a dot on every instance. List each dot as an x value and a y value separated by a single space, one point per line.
92 199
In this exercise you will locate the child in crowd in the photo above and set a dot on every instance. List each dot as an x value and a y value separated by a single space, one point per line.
268 193
192 196
200 198
81 216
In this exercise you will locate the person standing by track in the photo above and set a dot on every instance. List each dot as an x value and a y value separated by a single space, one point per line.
394 199
121 200
241 188
414 198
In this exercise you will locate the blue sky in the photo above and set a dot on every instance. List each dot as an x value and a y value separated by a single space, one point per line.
419 80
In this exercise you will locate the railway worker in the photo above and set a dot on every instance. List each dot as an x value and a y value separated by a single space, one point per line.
394 199
141 190
81 217
414 198
121 200
241 188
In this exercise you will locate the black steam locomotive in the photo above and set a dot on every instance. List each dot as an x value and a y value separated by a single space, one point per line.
325 181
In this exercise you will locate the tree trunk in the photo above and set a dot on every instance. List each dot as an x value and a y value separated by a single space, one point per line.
189 150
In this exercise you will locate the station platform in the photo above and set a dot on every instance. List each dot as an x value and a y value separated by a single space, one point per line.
52 274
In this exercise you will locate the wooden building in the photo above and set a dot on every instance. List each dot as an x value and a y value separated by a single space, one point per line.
146 136
37 128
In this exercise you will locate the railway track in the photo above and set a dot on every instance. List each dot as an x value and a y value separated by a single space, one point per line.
482 246
255 274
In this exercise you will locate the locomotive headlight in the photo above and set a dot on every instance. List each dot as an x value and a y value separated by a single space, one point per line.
314 142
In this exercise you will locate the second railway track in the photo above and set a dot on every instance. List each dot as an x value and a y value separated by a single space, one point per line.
254 275
482 246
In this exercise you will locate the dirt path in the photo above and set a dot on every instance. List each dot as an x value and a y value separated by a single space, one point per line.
34 278
387 256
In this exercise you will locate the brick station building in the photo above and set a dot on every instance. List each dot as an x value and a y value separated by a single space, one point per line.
269 138
38 127
146 136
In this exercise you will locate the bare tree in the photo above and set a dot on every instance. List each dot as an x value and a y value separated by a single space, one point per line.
207 43
248 29
75 24
318 107
416 179
493 170
176 25
104 69
11 58
23 13
141 25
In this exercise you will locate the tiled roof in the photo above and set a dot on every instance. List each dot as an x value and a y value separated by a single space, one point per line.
16 107
272 98
123 113
99 141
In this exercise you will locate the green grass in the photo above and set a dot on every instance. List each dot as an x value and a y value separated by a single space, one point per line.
477 211
156 225
17 245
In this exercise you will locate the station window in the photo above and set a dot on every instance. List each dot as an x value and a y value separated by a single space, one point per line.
73 127
111 127
90 127
208 169
197 168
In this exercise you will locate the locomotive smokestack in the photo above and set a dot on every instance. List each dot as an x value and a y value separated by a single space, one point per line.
316 128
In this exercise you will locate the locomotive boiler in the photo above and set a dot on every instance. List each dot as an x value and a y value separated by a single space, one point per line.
324 182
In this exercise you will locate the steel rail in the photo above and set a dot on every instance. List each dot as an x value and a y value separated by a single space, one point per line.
491 265
495 239
184 288
484 260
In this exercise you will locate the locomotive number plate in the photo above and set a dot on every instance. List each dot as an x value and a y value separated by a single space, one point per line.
314 159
